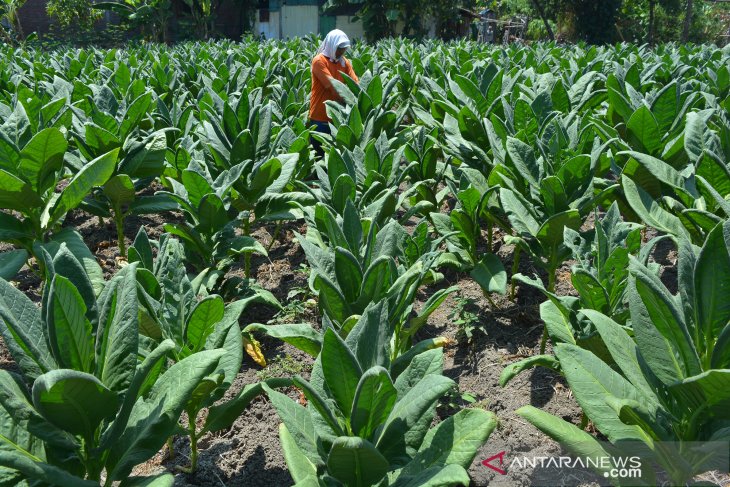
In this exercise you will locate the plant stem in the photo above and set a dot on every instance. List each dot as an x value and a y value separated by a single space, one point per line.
543 341
274 236
490 235
170 449
583 421
515 268
247 255
193 442
551 279
119 222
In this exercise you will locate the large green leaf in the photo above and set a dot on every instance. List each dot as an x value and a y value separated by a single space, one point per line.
373 402
592 381
356 462
69 331
95 173
74 401
23 332
118 332
489 273
154 419
568 435
202 320
712 282
41 157
454 441
32 469
298 422
408 422
659 327
300 468
341 370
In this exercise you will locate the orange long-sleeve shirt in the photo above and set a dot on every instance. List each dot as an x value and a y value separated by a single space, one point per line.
322 90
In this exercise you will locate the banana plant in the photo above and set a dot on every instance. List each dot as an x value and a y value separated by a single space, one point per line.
665 391
89 399
367 424
29 178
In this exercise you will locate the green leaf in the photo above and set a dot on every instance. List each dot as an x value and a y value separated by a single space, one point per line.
449 475
298 422
74 401
118 333
341 370
159 480
515 368
708 391
299 335
300 468
643 128
319 403
373 402
95 173
11 262
23 332
356 462
659 328
155 418
568 435
489 273
592 381
349 274
403 432
76 246
68 329
120 191
41 158
203 319
623 350
455 441
44 472
712 282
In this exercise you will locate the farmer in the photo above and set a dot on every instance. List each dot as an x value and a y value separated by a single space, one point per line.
328 63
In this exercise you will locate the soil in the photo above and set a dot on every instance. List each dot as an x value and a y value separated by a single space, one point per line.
249 453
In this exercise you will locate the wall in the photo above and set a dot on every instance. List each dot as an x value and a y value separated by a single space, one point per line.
299 20
354 30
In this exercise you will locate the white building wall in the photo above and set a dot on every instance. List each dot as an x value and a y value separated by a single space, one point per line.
354 30
270 29
299 20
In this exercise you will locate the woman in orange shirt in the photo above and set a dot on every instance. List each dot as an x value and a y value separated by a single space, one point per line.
329 63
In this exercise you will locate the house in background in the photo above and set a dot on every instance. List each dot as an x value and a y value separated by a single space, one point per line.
279 19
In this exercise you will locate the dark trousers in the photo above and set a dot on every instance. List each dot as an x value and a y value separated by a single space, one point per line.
321 127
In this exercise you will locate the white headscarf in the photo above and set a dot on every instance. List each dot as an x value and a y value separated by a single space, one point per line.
334 40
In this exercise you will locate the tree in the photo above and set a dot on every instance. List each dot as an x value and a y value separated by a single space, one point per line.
687 20
9 13
541 13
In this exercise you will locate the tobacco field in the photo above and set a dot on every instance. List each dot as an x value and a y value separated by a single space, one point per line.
505 248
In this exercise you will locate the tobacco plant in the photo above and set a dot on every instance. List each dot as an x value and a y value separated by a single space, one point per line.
367 419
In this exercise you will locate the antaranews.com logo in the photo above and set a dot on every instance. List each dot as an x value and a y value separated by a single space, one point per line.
612 467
